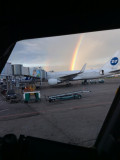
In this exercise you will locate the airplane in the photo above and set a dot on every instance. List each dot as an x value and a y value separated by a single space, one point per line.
109 68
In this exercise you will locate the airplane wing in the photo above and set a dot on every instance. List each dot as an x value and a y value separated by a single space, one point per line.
115 71
71 76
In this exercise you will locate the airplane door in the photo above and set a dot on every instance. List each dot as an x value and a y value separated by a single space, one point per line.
102 72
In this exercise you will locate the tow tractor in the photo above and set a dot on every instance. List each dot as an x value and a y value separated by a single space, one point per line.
67 96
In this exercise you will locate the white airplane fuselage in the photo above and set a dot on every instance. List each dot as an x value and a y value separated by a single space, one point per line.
109 68
59 74
88 74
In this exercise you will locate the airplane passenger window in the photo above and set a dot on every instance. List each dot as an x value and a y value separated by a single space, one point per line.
60 88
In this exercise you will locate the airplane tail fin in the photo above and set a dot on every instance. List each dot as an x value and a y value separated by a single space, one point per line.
83 68
113 63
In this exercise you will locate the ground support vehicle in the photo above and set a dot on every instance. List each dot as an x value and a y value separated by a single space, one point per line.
93 81
101 80
31 96
66 96
11 95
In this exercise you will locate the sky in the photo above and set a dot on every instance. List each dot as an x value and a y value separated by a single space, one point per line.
69 52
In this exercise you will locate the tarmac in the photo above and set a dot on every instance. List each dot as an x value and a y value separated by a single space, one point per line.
76 121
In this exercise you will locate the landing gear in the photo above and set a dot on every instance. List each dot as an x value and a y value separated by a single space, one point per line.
85 82
68 84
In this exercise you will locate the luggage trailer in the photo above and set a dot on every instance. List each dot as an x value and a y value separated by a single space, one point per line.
67 96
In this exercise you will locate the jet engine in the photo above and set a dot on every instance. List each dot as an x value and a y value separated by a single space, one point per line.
53 81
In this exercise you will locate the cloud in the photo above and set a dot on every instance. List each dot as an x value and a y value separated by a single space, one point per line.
57 52
53 50
98 47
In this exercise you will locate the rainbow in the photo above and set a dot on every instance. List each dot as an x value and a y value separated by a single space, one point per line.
76 52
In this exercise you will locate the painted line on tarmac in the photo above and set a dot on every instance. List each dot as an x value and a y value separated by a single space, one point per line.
47 111
2 95
79 107
16 115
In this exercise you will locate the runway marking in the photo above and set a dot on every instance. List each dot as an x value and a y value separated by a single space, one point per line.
79 107
47 111
2 100
13 115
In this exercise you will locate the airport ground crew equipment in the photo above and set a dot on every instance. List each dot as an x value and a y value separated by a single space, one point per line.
67 96
101 80
31 96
